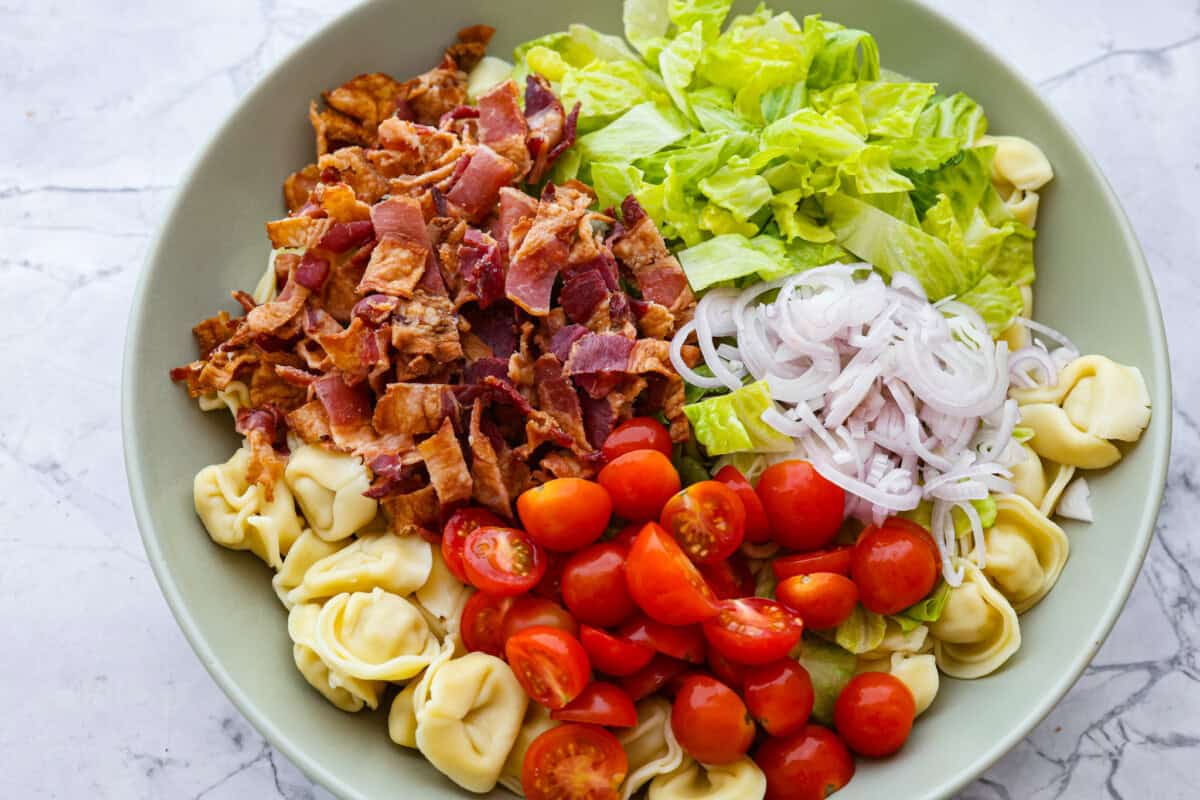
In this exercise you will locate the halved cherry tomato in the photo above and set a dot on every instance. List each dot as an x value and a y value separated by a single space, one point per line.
574 762
639 433
753 630
685 642
729 578
664 583
483 623
652 677
550 664
594 587
550 586
502 561
528 611
640 484
874 714
728 672
804 509
758 529
565 514
779 695
600 704
822 599
809 765
454 535
707 520
835 559
894 565
710 721
611 654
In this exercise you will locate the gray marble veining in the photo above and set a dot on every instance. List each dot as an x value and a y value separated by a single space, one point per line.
101 111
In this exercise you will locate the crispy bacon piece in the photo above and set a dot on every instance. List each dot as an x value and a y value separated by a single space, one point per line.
557 398
495 329
551 130
638 245
338 200
598 361
480 267
356 351
476 190
545 248
502 125
214 331
414 512
515 207
302 231
413 149
357 168
488 487
310 422
433 93
447 468
400 258
564 339
413 408
270 317
348 409
424 334
336 130
312 272
471 46
369 98
565 464
299 185
582 292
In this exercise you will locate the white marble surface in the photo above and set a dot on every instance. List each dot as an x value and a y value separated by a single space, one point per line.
100 113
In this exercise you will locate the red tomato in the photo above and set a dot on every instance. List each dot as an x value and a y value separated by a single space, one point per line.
728 672
550 586
804 509
594 587
483 623
822 599
836 559
664 583
454 535
710 721
529 611
753 630
599 704
565 514
874 714
613 655
809 765
574 762
685 642
707 519
640 484
729 578
550 664
758 529
627 534
652 677
894 565
502 561
779 695
639 433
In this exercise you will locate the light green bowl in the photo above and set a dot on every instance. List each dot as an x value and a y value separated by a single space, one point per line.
1093 284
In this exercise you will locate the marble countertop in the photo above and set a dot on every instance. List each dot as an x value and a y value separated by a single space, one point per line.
102 111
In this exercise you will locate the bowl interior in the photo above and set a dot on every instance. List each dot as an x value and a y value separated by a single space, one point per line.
1092 284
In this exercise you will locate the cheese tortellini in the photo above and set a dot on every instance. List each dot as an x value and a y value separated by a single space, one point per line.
344 691
305 551
739 780
442 597
374 636
651 747
238 515
329 487
1019 169
907 656
235 397
978 630
397 564
1025 552
402 717
537 721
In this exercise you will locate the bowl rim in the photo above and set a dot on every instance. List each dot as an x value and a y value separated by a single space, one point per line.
314 770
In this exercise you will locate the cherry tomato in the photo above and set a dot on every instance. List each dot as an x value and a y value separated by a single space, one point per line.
753 630
804 509
728 672
758 529
529 611
454 535
483 623
627 534
822 599
565 514
550 586
729 578
594 587
574 762
652 677
707 519
685 642
613 655
894 565
874 714
664 583
779 695
710 721
671 690
639 433
836 559
502 561
550 664
600 704
640 484
808 765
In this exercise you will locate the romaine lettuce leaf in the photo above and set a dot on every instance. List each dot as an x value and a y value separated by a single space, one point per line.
957 116
709 14
723 258
605 90
924 611
892 109
732 422
861 632
738 188
643 130
847 56
830 668
614 182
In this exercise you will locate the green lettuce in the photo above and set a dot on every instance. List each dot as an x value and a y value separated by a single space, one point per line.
861 632
732 422
848 56
643 130
924 611
830 668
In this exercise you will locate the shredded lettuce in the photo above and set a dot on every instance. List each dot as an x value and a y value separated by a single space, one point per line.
830 668
861 632
924 611
732 422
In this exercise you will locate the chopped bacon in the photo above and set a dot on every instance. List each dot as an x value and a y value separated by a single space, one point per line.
348 409
515 206
640 248
214 331
299 186
310 422
412 149
488 488
480 267
374 309
565 464
476 191
544 250
547 125
495 329
426 328
413 408
447 468
502 125
433 93
267 386
600 352
345 235
270 317
471 46
395 473
296 377
312 272
399 259
599 419
564 339
297 231
481 368
414 512
356 351
338 200
357 169
557 398
457 113
582 291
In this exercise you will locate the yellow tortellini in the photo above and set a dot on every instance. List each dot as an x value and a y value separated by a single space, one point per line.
329 487
537 721
235 397
917 671
402 717
374 636
1017 335
238 515
978 630
651 747
344 691
1019 169
906 655
471 719
397 564
739 780
1025 552
442 597
1059 477
305 551
1029 476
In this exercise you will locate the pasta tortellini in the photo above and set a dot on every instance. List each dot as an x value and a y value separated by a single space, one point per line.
978 630
906 656
471 719
329 487
739 780
238 515
344 691
305 551
374 636
917 671
402 716
235 397
651 747
397 564
537 721
1025 552
1017 335
1019 169
442 597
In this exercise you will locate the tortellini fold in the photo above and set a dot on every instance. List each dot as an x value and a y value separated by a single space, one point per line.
1017 335
537 721
402 717
345 692
374 636
442 596
1029 476
397 564
1019 169
305 551
329 487
1025 552
739 780
978 630
650 747
919 672
234 397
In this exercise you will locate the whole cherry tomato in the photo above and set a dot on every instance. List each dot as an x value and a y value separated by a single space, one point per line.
502 561
804 509
600 704
707 520
730 578
613 655
710 721
753 630
664 583
594 587
822 599
454 535
685 642
808 765
639 433
482 624
728 672
574 762
565 514
779 695
550 586
550 664
758 529
528 611
652 677
874 714
640 483
894 566
835 559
